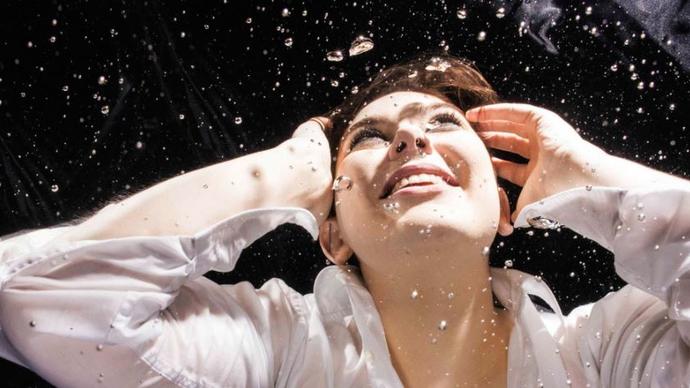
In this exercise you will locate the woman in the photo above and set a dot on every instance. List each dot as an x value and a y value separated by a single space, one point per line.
119 299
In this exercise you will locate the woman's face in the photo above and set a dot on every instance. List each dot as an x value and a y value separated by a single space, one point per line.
458 201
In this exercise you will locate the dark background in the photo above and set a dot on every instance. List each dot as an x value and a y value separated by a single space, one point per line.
188 84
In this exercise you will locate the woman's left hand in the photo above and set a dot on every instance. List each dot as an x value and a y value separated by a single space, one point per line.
559 159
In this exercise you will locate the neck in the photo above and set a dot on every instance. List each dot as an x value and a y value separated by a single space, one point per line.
435 304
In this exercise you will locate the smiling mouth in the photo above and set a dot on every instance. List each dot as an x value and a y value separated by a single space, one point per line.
417 180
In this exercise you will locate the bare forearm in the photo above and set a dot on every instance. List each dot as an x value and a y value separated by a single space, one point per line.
613 171
290 174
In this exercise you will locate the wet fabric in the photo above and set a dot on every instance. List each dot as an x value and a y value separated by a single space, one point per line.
136 311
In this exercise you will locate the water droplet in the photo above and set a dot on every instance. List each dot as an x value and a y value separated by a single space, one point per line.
335 56
354 90
139 145
99 347
588 11
342 182
181 116
335 83
481 36
540 222
588 187
640 110
205 186
102 80
183 34
105 109
285 13
121 81
65 88
451 295
437 64
485 251
54 188
249 21
29 44
32 323
508 263
392 207
614 67
52 39
462 14
414 294
640 86
288 42
442 325
656 247
360 45
238 120
641 217
501 13
672 107
572 274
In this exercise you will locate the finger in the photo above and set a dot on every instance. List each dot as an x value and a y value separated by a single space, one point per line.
504 226
502 126
519 113
513 172
506 142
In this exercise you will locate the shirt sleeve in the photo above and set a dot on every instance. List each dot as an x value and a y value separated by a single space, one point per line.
641 333
136 311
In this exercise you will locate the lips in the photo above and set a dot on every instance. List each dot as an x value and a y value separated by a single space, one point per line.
415 169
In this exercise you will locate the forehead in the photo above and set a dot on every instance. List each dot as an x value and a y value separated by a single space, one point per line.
391 104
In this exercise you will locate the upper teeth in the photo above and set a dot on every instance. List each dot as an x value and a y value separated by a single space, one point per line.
418 178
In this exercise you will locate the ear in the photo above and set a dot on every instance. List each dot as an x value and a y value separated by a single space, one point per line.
332 245
505 228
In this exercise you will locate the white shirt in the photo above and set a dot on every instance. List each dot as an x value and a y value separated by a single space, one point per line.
136 311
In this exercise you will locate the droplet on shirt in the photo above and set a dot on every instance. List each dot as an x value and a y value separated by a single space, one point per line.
360 45
334 56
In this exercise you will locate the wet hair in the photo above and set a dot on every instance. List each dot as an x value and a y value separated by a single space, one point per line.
450 78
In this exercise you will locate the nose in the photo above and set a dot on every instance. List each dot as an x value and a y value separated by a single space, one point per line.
410 141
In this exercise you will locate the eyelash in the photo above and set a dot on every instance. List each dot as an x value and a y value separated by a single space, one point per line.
443 118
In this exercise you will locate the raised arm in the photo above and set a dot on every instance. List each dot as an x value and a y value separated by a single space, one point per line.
296 173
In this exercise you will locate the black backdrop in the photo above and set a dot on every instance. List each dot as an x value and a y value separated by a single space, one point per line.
100 99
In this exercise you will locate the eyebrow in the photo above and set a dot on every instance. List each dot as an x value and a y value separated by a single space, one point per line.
411 109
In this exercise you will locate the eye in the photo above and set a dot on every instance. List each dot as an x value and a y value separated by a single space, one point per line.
444 120
364 134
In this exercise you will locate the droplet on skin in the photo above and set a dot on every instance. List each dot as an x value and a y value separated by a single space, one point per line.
342 182
451 295
414 294
442 325
360 45
485 251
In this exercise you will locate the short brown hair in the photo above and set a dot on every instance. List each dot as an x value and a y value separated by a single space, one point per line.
452 78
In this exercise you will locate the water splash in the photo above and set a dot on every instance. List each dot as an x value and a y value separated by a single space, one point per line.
538 18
